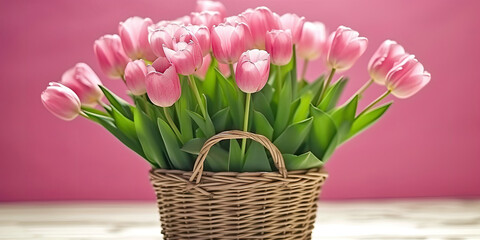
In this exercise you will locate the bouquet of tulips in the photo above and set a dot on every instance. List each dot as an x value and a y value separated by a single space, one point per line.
205 73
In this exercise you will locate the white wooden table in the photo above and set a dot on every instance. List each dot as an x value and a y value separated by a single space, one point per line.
420 219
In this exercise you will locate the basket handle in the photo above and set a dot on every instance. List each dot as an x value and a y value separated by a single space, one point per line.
236 134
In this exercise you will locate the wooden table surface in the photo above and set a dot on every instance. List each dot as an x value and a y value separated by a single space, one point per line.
405 219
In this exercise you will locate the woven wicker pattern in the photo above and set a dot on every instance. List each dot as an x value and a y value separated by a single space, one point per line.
229 205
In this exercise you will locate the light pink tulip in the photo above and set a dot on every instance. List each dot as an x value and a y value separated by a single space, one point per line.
384 59
203 36
344 48
294 23
260 21
312 41
206 18
407 77
186 55
134 35
207 5
162 83
163 35
61 101
84 82
110 55
252 70
235 20
278 44
229 42
207 60
135 77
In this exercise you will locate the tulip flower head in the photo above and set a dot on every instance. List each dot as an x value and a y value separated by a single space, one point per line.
384 59
344 48
252 70
110 55
206 18
163 36
229 42
260 21
203 36
407 77
162 83
61 101
84 82
135 77
311 44
186 54
278 44
134 35
207 5
294 23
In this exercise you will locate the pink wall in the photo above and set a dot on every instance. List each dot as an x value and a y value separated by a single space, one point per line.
426 146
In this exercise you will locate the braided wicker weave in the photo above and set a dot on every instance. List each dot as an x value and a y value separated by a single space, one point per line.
230 205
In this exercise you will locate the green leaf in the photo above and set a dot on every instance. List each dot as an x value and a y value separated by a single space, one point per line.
178 158
205 126
291 139
364 121
256 159
260 103
217 157
303 108
323 134
121 105
314 87
210 81
283 109
234 99
344 117
235 162
95 111
124 124
150 139
304 161
220 119
262 126
184 120
332 95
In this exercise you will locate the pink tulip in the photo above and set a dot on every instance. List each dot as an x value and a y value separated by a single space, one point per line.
207 60
61 101
134 35
384 59
294 23
82 80
185 20
164 35
312 41
252 70
186 55
206 18
278 44
110 55
135 77
203 36
207 5
260 20
229 42
162 83
235 20
344 48
407 77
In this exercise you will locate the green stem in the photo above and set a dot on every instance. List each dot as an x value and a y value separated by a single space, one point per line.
304 69
83 115
232 71
375 102
172 124
102 104
194 88
279 78
363 88
245 123
325 86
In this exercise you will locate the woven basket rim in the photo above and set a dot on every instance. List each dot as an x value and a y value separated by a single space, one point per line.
321 170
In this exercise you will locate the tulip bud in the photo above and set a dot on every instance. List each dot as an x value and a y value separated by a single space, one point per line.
207 60
207 5
252 70
229 42
82 80
203 36
344 48
164 35
206 18
278 44
312 41
61 101
407 77
163 84
260 21
185 56
294 23
110 55
134 35
135 77
384 59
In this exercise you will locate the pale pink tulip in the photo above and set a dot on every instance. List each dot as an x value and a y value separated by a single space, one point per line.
207 5
185 55
163 84
134 35
207 60
260 21
312 41
84 82
110 55
163 36
252 70
206 18
344 48
135 77
294 23
203 36
384 59
278 44
407 77
235 20
61 101
229 42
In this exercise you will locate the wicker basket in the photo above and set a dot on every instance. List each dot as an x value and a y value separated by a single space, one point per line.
230 205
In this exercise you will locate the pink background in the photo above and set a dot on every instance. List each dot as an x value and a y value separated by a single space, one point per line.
426 146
